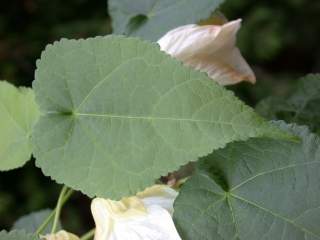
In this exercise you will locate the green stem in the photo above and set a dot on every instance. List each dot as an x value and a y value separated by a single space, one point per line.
88 235
58 209
53 213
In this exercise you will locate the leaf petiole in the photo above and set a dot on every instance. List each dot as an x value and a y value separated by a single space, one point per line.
58 209
88 235
53 213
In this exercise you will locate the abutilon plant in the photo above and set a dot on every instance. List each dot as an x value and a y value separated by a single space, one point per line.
141 122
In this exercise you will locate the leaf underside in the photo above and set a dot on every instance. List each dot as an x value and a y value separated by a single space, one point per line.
31 222
117 113
17 235
259 189
150 19
18 113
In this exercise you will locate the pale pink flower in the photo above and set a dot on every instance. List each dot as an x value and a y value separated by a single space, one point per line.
211 49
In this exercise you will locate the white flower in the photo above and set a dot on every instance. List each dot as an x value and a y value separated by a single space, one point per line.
161 195
142 217
61 235
211 49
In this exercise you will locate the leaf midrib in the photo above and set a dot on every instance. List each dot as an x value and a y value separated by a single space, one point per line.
303 229
272 171
149 118
231 194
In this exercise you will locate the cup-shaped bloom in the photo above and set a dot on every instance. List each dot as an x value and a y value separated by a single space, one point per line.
61 235
141 217
160 195
211 49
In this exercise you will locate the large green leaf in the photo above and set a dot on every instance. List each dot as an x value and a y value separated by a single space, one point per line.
17 235
18 113
301 106
259 189
118 113
31 222
150 19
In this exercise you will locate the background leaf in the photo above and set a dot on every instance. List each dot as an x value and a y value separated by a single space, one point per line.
17 235
150 19
31 222
301 106
119 113
18 113
259 189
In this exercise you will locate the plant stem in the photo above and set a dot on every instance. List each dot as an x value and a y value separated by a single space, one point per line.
58 209
88 235
53 213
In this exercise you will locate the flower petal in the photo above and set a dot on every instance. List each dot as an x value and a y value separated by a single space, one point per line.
226 68
128 220
61 235
211 49
186 41
161 195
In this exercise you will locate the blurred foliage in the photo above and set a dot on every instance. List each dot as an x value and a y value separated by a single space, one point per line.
279 39
27 26
25 190
278 30
301 106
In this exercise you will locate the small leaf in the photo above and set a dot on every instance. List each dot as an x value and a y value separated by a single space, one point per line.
150 19
117 113
31 222
17 235
301 106
18 114
259 189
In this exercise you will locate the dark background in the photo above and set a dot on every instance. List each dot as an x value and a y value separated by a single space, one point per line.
279 38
